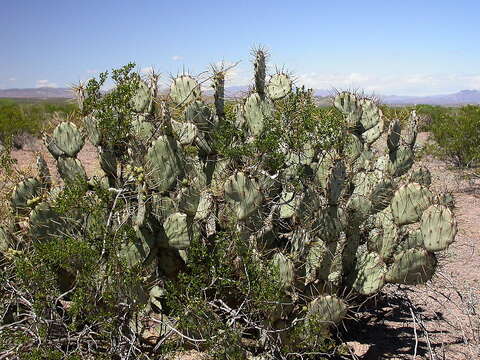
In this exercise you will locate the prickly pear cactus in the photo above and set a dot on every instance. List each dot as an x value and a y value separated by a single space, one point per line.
329 220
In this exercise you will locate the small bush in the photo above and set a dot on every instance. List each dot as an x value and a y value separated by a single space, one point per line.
457 135
18 120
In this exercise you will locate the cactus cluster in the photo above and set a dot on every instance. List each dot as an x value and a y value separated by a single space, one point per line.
352 217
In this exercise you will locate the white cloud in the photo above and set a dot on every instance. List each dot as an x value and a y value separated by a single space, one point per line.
177 57
12 79
147 70
92 71
45 83
409 84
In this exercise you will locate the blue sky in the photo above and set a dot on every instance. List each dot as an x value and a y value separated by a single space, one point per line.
389 47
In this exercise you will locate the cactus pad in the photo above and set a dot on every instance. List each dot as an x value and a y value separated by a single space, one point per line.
438 228
243 194
256 111
25 191
421 176
185 132
279 86
177 231
71 169
142 130
393 137
184 90
329 309
409 202
371 114
199 113
369 273
68 139
163 163
411 267
142 97
350 107
45 222
285 268
92 129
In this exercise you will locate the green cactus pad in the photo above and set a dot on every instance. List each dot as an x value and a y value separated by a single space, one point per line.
393 137
328 309
411 267
135 253
52 147
319 260
218 84
243 195
199 113
402 161
68 139
108 161
162 207
438 227
413 239
188 199
409 202
360 207
184 90
384 242
329 223
279 86
421 176
288 206
142 130
45 222
369 274
142 98
25 191
163 164
353 147
205 206
256 111
335 182
285 269
178 231
350 107
184 132
410 136
92 129
371 114
71 169
372 134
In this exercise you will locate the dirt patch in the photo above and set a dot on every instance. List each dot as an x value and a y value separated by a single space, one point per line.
26 158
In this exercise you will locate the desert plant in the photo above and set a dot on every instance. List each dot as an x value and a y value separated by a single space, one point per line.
231 228
456 135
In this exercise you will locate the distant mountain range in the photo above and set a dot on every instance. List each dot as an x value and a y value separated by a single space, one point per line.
459 98
36 93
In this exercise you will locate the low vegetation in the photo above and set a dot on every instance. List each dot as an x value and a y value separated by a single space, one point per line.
21 121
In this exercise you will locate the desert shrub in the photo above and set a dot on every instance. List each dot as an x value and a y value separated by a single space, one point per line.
236 228
22 120
430 114
456 134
